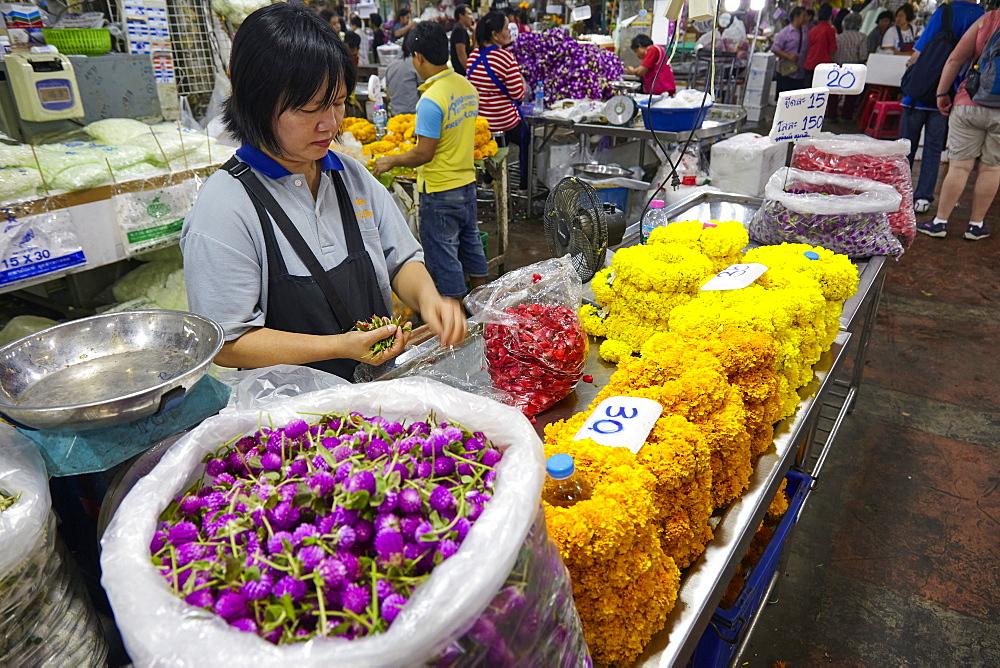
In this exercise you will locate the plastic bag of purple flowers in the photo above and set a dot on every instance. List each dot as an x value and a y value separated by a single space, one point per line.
531 621
303 571
843 214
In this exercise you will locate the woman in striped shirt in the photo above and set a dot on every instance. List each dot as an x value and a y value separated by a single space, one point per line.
496 75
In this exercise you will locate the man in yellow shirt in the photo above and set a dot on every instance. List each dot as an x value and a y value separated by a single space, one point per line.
443 158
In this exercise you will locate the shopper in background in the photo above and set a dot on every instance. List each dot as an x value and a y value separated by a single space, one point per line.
403 81
402 25
512 24
813 21
657 77
335 20
822 42
446 170
900 38
838 20
791 45
461 40
357 25
378 37
973 133
496 75
288 245
876 35
353 42
852 48
918 116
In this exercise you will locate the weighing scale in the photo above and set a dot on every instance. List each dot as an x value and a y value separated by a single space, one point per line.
44 86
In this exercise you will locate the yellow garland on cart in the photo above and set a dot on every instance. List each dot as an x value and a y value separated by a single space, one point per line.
400 138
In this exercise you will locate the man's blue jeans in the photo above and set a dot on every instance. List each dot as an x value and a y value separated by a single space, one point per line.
449 234
935 127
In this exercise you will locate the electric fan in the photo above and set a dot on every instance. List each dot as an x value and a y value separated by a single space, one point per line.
577 222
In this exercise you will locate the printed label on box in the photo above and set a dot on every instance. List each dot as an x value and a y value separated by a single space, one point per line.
32 246
621 422
735 277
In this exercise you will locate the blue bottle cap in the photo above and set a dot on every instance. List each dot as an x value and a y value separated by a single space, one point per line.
560 466
812 255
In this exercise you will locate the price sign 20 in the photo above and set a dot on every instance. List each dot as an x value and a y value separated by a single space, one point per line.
841 79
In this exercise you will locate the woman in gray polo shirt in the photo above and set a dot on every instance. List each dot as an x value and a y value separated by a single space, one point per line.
288 245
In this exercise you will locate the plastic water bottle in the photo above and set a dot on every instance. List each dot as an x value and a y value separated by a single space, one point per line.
539 98
381 120
654 218
565 486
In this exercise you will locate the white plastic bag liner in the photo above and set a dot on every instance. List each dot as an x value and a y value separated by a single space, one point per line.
855 144
115 130
22 471
160 629
19 183
33 246
255 388
871 197
151 219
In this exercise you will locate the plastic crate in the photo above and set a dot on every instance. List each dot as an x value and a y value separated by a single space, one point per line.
728 627
616 196
79 41
673 120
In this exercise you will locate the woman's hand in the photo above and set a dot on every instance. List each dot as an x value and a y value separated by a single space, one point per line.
358 345
383 165
445 318
944 104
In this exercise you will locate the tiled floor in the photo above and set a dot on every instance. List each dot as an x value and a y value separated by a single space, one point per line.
896 557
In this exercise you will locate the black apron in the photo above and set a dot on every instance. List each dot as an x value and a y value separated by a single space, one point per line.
324 302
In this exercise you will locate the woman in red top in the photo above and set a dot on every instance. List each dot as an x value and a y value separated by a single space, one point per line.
651 56
822 42
495 74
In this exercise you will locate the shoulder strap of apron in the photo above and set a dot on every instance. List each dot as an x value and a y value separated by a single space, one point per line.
493 77
241 171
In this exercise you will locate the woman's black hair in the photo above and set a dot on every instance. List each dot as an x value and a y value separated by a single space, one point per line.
825 12
885 15
493 22
327 14
356 22
908 10
429 39
352 40
283 56
640 41
403 12
376 21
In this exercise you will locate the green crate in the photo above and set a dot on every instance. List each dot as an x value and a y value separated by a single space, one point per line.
79 41
485 238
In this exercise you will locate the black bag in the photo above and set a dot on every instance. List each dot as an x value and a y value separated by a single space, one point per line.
920 79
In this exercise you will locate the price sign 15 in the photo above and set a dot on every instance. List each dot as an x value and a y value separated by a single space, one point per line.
799 114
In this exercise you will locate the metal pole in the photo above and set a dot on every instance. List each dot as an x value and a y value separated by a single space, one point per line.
753 47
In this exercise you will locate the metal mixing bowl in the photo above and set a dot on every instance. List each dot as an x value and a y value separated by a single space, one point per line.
105 370
601 171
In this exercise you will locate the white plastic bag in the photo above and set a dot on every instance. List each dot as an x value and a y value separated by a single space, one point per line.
151 219
743 163
160 629
116 130
255 388
866 196
22 471
19 183
37 245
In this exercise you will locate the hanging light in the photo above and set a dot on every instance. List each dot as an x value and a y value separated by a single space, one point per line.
732 5
756 5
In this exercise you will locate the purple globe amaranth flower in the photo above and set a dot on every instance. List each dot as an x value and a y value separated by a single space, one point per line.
355 599
422 529
311 556
287 492
201 598
296 428
320 464
386 522
389 502
215 466
333 571
346 537
304 531
236 462
363 531
423 469
296 589
361 437
441 499
276 543
391 606
225 479
273 637
444 466
245 624
408 525
231 606
322 483
461 528
298 468
330 442
342 452
491 457
158 541
189 552
399 468
205 491
343 471
383 588
410 501
419 428
483 631
475 510
271 461
447 548
346 515
257 516
257 590
351 564
389 548
326 523
464 468
489 479
215 500
393 428
376 448
362 481
191 504
284 515
183 532
474 444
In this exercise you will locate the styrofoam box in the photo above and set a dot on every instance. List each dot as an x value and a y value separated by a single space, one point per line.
743 163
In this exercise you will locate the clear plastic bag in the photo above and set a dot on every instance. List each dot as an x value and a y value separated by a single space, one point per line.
115 130
45 617
535 346
864 157
19 183
160 629
840 213
256 388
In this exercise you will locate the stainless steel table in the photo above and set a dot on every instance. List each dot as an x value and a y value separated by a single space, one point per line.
721 119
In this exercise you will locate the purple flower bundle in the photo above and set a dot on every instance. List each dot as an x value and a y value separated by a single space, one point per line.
567 68
324 529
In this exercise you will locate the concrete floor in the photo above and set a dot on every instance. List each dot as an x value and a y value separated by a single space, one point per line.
895 560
